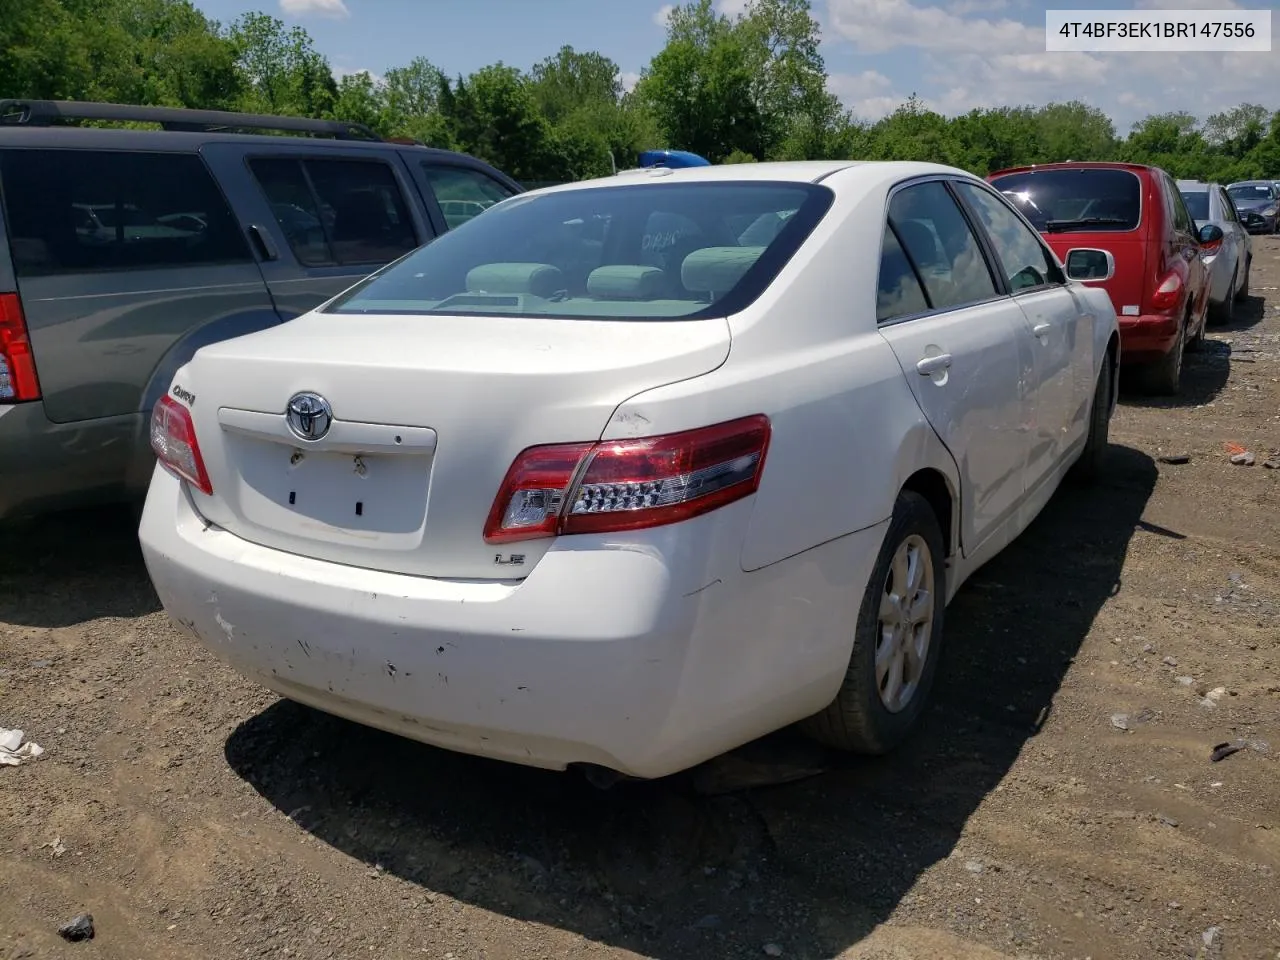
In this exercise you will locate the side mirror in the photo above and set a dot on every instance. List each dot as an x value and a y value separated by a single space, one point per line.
1211 236
1087 264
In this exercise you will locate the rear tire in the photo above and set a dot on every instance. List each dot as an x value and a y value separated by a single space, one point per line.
1163 377
1088 469
896 640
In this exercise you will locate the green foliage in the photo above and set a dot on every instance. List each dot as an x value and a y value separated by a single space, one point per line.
736 89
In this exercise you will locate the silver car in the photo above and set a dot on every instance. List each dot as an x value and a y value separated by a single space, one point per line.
1229 264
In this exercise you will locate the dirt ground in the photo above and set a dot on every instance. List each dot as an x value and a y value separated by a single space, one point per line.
1060 801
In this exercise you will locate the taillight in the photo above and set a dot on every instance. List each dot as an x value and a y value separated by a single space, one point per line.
1166 295
173 438
18 380
628 484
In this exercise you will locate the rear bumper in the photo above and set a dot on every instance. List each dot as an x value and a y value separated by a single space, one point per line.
1147 338
46 466
645 654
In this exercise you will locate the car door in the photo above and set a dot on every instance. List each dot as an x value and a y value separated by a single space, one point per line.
122 256
320 220
1236 235
962 346
1186 244
1059 330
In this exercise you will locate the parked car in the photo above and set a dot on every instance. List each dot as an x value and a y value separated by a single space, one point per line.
1126 228
1230 262
683 489
1258 202
122 251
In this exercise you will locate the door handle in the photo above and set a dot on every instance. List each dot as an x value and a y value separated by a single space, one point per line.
1042 329
931 365
262 240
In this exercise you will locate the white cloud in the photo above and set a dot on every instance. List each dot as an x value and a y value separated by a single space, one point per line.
663 13
340 72
333 9
629 80
965 59
867 94
732 8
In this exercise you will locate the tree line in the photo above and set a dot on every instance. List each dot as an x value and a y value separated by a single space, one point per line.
733 88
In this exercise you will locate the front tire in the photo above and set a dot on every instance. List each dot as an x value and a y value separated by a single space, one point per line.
896 640
1088 469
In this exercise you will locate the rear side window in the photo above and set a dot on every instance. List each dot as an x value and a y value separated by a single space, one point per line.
1197 202
639 251
78 211
1075 198
337 212
1182 219
463 192
941 246
899 293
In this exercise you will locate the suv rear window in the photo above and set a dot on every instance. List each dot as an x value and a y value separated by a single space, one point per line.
640 251
1075 198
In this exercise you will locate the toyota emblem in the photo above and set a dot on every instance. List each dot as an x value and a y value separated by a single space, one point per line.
309 416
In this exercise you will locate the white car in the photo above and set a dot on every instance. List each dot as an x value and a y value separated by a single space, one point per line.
624 474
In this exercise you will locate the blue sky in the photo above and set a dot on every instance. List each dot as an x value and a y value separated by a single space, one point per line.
955 55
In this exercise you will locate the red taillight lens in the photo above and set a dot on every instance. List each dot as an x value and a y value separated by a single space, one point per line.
173 438
628 484
1166 295
18 380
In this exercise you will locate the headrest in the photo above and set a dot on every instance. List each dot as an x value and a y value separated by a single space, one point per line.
625 281
717 269
539 279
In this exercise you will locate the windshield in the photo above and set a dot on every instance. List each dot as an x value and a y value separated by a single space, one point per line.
1197 203
1247 192
1093 198
635 251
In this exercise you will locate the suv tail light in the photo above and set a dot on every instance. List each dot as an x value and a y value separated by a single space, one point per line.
1166 295
18 380
173 438
628 484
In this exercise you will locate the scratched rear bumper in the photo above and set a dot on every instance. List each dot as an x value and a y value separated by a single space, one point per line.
604 655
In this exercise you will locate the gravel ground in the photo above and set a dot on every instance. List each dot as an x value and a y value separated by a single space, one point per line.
1059 802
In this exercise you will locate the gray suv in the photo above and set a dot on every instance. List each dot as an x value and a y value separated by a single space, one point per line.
123 251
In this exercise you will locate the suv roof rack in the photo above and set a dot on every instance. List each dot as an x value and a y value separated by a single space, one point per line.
44 113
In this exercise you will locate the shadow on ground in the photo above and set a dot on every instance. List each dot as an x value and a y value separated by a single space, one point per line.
667 872
69 568
1204 371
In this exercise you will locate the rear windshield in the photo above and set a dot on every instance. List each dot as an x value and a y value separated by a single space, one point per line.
1245 192
639 251
1197 202
1075 198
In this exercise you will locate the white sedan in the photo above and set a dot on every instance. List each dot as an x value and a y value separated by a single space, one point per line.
624 474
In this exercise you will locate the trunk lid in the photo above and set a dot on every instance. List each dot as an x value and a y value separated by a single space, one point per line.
428 413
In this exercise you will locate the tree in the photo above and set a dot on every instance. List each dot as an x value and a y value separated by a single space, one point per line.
699 87
493 114
282 70
570 80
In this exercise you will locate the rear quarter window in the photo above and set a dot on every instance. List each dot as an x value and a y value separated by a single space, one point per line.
1076 198
79 211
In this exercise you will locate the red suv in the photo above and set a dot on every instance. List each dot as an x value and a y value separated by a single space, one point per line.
1125 227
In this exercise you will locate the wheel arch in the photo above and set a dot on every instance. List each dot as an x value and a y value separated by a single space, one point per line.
940 493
